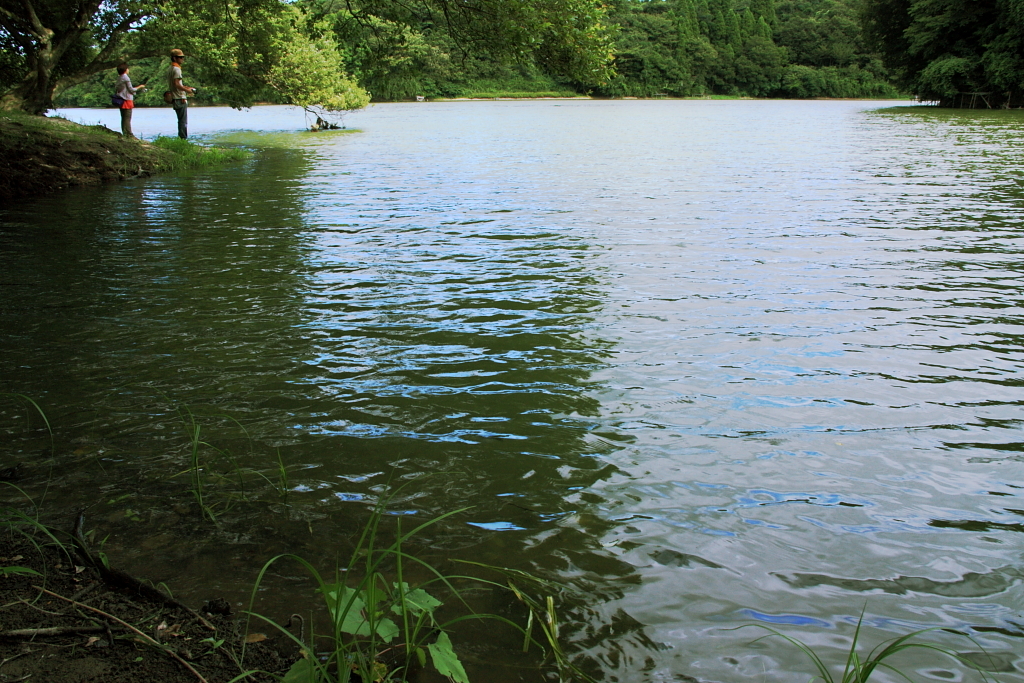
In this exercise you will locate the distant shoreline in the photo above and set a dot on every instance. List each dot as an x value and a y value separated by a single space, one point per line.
569 98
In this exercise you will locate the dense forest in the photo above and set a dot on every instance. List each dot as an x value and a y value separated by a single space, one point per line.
760 48
966 53
957 52
679 48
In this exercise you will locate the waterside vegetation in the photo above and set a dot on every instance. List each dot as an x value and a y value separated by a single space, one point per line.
44 154
383 618
382 614
330 58
662 48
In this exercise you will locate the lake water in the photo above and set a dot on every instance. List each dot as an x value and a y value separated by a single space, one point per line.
705 363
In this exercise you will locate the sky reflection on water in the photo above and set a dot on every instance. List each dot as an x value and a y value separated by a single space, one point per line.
711 362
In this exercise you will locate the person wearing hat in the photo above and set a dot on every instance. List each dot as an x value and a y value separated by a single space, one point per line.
179 92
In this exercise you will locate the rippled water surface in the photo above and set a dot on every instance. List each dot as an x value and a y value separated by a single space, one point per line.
712 363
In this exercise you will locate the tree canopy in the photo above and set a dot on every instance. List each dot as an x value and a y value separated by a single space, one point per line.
297 49
944 50
761 48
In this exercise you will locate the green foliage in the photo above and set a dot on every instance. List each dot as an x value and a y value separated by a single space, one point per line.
859 668
371 615
11 571
244 51
308 71
797 48
434 47
517 94
190 155
799 81
941 49
300 53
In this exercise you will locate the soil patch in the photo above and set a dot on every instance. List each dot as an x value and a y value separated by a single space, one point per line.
39 154
65 624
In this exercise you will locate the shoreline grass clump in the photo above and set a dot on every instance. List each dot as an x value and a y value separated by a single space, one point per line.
382 627
14 522
216 480
43 154
859 668
188 155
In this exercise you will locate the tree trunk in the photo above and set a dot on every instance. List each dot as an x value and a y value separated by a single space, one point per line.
35 92
34 95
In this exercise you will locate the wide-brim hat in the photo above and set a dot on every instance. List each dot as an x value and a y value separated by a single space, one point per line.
177 53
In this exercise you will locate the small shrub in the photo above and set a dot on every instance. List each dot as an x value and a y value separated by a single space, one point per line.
190 155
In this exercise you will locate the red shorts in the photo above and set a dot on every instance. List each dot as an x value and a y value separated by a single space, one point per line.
128 104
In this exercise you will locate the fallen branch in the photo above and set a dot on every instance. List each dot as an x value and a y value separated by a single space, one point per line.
116 577
51 631
145 638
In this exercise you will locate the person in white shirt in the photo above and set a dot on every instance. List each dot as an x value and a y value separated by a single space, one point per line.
179 92
126 92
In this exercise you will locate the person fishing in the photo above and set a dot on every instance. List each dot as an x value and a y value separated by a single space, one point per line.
126 92
179 92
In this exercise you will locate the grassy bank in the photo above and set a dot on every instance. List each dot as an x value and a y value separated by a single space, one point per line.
42 154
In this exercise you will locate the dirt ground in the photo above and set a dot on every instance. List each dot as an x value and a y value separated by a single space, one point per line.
40 155
64 624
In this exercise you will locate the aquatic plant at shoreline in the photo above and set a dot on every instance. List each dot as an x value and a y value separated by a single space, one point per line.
857 668
16 522
382 626
204 480
199 470
535 594
190 155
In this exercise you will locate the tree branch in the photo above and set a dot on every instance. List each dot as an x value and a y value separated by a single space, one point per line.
85 13
50 631
94 67
115 34
4 12
14 25
42 34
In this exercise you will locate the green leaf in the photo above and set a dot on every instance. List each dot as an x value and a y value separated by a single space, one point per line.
387 630
340 597
445 660
417 601
301 672
7 571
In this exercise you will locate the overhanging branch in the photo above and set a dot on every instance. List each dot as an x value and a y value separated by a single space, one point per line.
85 13
115 35
42 34
95 67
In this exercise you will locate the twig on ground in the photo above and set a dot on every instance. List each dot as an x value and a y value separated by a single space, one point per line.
20 654
37 607
145 638
88 589
50 631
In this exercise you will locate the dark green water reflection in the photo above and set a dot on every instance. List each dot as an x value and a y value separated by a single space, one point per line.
711 362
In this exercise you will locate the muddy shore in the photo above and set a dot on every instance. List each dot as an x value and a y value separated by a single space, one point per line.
39 155
62 622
